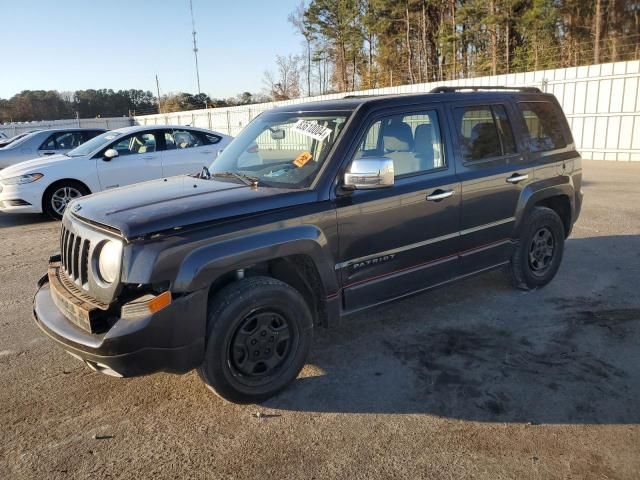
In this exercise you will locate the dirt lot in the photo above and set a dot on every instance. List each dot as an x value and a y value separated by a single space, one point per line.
473 381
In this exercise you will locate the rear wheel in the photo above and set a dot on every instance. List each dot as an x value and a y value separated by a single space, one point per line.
259 334
539 252
57 197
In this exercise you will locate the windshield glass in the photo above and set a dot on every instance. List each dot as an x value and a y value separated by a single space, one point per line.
281 149
96 142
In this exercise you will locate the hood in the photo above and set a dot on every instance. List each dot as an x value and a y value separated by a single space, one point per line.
173 202
30 166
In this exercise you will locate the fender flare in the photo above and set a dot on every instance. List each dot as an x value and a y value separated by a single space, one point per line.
202 266
536 192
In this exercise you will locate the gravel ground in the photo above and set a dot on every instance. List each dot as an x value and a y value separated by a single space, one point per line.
472 381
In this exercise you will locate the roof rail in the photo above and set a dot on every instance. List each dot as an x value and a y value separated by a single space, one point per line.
479 87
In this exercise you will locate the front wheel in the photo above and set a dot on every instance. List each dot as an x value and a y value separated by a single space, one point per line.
539 252
259 334
57 197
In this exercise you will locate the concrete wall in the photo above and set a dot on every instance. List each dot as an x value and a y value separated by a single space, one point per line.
601 102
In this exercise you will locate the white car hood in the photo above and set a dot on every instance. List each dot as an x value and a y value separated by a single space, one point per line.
34 166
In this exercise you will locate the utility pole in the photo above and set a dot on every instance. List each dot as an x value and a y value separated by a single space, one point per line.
158 88
195 47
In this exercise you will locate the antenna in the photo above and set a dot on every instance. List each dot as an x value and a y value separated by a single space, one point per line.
195 44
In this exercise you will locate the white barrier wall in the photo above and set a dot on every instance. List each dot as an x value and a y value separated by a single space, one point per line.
11 129
601 102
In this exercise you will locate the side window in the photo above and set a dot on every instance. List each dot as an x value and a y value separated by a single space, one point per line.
211 139
544 125
477 133
186 139
412 141
504 130
63 141
170 143
89 134
484 132
140 143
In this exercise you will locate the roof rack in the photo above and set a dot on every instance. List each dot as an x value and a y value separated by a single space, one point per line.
479 87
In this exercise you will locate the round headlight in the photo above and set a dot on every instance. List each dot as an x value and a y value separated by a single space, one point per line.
109 261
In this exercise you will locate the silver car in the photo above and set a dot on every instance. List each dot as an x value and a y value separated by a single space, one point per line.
45 142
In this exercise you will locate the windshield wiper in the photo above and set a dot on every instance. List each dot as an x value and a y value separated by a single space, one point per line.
246 179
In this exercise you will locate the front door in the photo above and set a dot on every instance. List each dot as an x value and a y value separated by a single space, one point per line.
493 171
138 160
403 238
187 151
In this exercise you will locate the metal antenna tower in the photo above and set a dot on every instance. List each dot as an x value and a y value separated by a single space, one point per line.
195 45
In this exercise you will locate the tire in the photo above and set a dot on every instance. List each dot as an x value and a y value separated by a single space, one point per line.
539 252
57 196
247 358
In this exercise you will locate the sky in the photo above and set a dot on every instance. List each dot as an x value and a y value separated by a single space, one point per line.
69 45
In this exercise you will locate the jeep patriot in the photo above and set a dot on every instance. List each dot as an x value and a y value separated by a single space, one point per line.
314 212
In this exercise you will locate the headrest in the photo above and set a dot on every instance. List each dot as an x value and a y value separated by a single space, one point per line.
424 138
484 129
397 137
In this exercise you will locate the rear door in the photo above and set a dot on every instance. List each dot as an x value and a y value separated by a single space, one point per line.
187 151
493 170
404 238
138 160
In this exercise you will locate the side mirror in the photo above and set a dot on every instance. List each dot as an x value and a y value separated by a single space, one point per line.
367 173
110 154
277 134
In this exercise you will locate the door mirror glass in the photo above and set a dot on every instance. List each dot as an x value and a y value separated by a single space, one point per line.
277 134
111 153
366 173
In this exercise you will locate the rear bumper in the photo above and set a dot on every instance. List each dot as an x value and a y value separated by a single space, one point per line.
171 340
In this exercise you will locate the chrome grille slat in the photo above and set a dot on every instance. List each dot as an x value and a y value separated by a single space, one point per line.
84 262
75 258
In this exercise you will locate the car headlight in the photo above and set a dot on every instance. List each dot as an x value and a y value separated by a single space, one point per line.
109 261
22 179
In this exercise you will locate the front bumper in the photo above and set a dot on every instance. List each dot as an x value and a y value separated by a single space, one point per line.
171 340
25 198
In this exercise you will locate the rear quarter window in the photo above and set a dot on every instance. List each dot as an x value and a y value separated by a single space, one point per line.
545 125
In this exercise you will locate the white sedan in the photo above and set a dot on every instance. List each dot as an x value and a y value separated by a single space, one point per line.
113 159
43 143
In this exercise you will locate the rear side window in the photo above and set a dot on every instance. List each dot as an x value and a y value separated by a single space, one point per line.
63 141
484 131
89 134
544 125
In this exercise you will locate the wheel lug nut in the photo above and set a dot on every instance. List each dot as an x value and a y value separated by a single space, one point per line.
254 341
263 333
271 339
256 353
267 351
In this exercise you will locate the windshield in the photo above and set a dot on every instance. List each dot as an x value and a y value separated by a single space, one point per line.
281 149
96 142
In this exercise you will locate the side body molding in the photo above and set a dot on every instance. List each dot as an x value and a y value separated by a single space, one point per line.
207 263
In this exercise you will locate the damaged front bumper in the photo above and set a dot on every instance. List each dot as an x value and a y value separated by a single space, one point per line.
170 340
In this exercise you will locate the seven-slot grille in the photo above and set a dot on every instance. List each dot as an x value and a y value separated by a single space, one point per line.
75 257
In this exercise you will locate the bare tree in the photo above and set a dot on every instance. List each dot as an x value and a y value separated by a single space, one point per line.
285 82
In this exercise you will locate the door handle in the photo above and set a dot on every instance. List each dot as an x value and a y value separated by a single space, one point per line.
516 177
206 152
49 153
150 157
439 195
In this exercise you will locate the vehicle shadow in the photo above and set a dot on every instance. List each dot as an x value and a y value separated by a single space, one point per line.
19 219
480 350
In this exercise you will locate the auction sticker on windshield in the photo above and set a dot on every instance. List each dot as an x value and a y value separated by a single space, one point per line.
311 129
